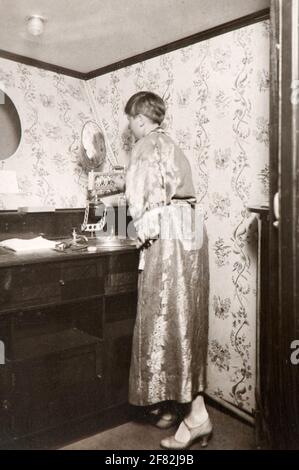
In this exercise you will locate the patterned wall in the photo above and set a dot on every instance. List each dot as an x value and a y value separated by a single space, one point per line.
52 109
217 94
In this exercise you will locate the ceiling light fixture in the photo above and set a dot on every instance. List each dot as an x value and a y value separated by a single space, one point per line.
35 25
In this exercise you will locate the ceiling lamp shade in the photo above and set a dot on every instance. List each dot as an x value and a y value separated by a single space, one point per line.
35 25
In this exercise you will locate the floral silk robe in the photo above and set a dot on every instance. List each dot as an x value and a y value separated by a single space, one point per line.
171 330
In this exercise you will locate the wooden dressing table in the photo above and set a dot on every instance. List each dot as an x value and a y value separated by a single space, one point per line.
66 320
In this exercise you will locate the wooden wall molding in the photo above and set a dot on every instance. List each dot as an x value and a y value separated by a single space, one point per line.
188 41
41 65
247 20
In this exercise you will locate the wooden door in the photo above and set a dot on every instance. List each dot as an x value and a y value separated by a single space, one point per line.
282 419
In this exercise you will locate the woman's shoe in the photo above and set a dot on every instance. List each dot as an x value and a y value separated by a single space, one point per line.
202 432
166 420
161 418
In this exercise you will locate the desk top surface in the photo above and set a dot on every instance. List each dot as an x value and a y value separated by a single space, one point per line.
9 258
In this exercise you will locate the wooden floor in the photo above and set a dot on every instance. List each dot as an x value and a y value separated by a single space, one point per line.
229 433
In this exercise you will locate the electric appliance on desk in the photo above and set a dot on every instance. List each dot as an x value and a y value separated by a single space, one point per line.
100 184
96 154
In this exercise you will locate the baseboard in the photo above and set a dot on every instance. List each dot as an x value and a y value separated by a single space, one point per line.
229 408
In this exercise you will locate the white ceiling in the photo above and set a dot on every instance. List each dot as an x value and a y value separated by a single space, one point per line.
84 35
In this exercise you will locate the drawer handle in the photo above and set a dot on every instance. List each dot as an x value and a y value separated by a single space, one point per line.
6 405
61 282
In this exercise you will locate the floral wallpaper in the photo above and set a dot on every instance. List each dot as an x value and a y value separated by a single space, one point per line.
217 94
52 109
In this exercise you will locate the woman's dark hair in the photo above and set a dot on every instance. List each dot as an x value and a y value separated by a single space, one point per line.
147 103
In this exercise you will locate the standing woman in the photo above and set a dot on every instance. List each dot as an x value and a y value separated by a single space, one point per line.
169 352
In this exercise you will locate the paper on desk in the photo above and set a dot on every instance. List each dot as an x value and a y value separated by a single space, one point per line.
32 244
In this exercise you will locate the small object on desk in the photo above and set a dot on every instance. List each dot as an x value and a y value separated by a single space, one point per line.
77 243
74 235
91 249
62 246
78 247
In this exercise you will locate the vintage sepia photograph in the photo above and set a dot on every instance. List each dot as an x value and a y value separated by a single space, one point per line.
149 228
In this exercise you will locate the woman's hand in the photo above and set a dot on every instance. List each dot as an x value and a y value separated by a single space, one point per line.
119 181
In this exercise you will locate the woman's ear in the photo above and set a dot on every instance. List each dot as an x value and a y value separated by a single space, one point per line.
141 120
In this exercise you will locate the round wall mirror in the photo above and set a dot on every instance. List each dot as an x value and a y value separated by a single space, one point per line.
94 148
10 125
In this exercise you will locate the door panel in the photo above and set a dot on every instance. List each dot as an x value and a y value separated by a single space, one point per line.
283 418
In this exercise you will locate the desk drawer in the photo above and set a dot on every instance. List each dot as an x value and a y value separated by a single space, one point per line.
49 283
46 377
120 307
122 274
121 282
126 262
86 316
30 285
81 280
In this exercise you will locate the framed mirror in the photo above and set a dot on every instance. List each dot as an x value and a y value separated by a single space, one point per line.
10 125
93 146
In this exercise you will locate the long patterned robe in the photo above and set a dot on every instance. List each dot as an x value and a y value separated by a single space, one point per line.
171 330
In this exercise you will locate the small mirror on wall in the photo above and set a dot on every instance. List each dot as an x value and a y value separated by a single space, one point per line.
93 146
10 125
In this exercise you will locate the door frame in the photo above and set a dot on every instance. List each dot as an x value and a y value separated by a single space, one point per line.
283 418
